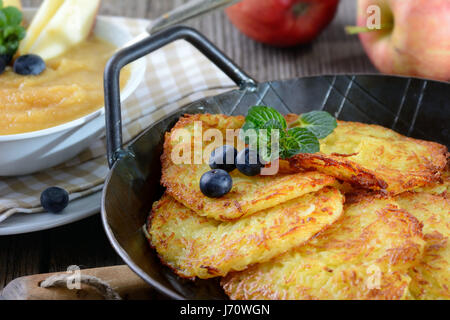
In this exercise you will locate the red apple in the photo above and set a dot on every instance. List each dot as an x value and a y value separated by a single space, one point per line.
414 39
282 22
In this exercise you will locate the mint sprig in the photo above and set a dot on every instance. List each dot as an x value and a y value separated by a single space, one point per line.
299 140
261 115
11 30
300 137
321 123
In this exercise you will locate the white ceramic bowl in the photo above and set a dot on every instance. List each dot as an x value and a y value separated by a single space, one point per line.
26 153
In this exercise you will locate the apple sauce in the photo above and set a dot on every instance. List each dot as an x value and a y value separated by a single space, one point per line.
70 88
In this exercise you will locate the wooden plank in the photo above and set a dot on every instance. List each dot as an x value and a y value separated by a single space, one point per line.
121 279
83 244
20 255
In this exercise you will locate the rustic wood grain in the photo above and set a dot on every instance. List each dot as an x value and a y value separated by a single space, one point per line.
122 279
84 243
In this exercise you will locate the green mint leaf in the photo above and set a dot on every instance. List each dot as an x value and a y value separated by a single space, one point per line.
14 32
249 126
300 140
273 124
265 137
3 19
13 14
12 46
321 123
243 133
11 31
260 115
269 138
21 33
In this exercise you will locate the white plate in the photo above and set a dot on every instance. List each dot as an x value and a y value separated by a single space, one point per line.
77 210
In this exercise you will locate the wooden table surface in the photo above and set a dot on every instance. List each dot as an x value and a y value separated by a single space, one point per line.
84 243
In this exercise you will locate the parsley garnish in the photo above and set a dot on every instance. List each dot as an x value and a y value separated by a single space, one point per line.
301 136
11 31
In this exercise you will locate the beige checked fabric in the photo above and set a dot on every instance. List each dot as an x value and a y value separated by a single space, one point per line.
176 75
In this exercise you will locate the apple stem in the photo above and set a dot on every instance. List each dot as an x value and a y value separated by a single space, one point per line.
299 9
359 29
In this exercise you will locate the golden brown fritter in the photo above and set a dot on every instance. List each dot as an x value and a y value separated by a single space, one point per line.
440 188
195 246
365 255
431 278
248 195
376 158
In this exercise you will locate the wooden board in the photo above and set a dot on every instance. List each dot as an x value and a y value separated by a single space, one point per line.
121 279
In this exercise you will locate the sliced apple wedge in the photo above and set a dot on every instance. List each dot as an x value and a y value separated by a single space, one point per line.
62 25
43 16
12 3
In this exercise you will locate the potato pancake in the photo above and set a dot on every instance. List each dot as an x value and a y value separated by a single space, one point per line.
365 255
196 246
376 158
441 188
431 278
248 195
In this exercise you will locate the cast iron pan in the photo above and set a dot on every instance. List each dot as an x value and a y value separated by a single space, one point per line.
413 107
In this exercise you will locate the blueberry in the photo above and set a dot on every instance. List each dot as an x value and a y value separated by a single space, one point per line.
6 58
54 199
216 183
2 65
249 163
223 158
29 64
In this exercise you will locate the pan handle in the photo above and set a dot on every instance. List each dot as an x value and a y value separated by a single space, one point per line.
142 48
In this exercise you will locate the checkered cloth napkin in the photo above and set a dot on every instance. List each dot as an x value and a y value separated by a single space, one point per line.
176 75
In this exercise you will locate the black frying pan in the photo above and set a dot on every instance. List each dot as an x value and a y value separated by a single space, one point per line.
413 107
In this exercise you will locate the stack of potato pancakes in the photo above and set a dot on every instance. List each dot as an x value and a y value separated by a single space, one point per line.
366 218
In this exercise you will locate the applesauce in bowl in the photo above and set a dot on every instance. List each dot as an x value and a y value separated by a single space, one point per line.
74 126
71 87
